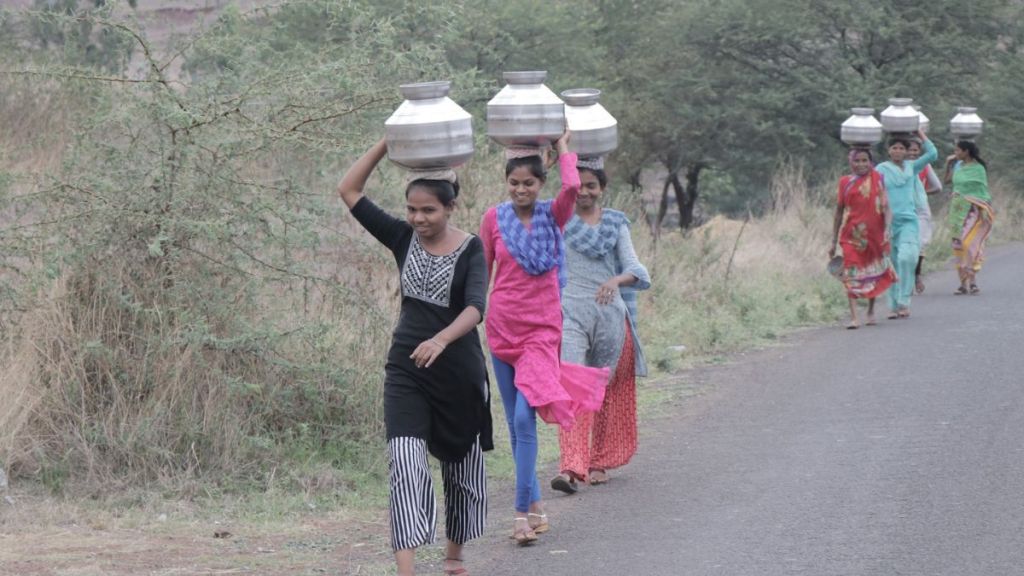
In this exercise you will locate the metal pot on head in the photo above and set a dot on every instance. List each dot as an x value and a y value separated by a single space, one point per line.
966 124
900 116
861 129
595 132
429 130
525 112
924 123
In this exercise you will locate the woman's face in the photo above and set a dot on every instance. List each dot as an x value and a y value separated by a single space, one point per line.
590 190
960 153
897 152
914 151
425 213
861 163
523 187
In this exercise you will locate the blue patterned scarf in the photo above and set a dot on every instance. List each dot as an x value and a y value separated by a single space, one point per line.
538 249
595 241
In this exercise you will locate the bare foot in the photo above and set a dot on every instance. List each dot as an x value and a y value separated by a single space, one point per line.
597 476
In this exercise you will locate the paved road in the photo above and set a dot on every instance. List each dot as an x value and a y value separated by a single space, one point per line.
893 450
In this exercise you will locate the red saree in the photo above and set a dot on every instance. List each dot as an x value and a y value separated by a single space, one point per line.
867 270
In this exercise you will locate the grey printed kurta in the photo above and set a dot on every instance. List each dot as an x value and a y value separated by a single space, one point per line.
592 334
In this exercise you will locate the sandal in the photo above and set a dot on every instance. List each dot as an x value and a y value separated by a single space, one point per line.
523 536
539 526
975 289
903 314
460 571
871 321
893 315
852 326
960 291
597 476
564 483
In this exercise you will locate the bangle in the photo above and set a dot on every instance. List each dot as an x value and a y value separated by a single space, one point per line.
437 343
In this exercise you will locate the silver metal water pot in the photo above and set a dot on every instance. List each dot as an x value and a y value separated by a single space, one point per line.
429 130
924 123
900 116
966 124
594 131
861 129
525 112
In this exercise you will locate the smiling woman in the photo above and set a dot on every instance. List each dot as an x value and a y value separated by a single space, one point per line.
436 396
524 251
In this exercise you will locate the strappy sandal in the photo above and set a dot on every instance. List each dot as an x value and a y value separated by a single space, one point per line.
540 525
975 289
523 537
460 571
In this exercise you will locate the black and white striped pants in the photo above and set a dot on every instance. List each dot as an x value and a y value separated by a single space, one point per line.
413 509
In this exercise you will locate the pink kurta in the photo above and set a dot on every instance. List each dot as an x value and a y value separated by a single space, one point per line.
524 321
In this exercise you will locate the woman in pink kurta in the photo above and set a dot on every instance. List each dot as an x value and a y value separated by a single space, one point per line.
525 255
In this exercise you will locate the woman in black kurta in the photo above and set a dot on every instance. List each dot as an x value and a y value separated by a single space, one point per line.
435 387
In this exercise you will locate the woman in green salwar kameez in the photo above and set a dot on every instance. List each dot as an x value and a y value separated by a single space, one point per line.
970 212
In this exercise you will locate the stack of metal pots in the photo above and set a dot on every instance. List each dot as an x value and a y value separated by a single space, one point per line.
525 113
429 131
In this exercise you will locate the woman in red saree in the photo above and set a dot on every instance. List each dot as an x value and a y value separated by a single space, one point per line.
861 227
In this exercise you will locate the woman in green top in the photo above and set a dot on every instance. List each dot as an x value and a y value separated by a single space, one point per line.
900 175
970 212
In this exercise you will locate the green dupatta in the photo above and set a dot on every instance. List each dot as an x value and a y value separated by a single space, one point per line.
969 181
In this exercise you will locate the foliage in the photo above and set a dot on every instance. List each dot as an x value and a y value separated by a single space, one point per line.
178 270
180 296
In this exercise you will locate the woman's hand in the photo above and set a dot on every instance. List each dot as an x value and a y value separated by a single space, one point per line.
950 159
562 144
921 135
832 251
606 292
428 351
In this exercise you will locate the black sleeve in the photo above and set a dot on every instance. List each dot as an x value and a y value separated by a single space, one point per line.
387 229
476 276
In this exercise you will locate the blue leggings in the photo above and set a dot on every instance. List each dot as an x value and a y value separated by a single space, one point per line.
522 431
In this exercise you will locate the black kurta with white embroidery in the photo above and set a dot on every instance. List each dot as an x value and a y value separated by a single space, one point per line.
446 404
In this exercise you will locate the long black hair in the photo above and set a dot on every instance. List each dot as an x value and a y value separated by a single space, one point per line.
972 150
446 192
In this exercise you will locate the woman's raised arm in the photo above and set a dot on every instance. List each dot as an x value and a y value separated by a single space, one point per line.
351 186
565 203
